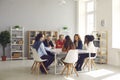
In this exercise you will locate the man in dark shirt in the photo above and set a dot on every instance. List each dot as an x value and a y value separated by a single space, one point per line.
48 43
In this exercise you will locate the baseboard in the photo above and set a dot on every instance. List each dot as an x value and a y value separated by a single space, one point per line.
25 58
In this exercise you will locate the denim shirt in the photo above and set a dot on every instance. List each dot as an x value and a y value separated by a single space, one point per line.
40 48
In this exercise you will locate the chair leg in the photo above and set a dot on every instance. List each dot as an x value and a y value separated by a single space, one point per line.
67 70
34 67
85 63
70 65
89 65
94 64
38 67
64 69
74 70
44 68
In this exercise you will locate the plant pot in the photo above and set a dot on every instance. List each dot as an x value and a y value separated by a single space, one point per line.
3 58
98 38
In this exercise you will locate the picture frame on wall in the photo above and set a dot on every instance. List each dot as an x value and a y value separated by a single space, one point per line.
103 35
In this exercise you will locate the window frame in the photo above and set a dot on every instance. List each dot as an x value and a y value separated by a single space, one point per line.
88 13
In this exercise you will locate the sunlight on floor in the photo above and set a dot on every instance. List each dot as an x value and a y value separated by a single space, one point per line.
114 77
99 73
68 78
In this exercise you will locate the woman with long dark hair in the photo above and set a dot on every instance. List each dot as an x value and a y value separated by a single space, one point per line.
77 41
68 44
89 46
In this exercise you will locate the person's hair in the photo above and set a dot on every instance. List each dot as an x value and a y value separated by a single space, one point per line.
60 35
68 42
48 36
91 38
79 39
88 38
37 38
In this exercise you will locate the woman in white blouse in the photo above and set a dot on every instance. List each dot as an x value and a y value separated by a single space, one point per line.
89 46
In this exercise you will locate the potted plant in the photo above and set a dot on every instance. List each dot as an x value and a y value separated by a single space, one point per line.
98 36
17 27
4 40
65 28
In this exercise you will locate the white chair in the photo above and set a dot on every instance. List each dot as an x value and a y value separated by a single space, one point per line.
37 62
90 64
70 60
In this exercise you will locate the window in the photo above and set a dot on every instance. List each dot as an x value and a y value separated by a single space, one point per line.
115 23
86 17
90 16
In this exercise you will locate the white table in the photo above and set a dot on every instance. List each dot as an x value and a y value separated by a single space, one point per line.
58 51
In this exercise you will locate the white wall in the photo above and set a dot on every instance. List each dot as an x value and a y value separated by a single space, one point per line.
37 15
104 12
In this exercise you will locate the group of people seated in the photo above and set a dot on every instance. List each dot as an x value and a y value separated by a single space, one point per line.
43 46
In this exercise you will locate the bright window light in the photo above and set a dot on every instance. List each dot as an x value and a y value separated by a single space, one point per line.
115 23
86 21
99 73
90 6
114 77
68 78
89 17
90 23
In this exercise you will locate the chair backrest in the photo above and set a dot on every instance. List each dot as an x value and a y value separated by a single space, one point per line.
35 55
72 56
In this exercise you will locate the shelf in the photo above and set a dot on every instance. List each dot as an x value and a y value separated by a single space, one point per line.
102 44
17 43
17 51
17 58
31 44
31 38
18 37
17 29
96 40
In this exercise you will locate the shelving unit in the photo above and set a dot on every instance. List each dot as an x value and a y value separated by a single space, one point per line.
31 39
100 41
17 43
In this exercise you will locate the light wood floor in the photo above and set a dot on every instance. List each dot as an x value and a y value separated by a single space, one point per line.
20 70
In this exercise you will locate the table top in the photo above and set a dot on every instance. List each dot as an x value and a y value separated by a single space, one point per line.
59 51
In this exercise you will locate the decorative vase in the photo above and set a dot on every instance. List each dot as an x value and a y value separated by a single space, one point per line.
3 58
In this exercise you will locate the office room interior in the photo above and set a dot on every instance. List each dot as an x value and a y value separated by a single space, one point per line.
22 20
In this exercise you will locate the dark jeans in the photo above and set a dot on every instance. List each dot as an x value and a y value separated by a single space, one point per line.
49 58
81 60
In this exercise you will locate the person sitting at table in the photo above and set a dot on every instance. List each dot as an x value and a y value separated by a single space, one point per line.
40 48
48 42
60 41
89 46
48 45
68 44
77 41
